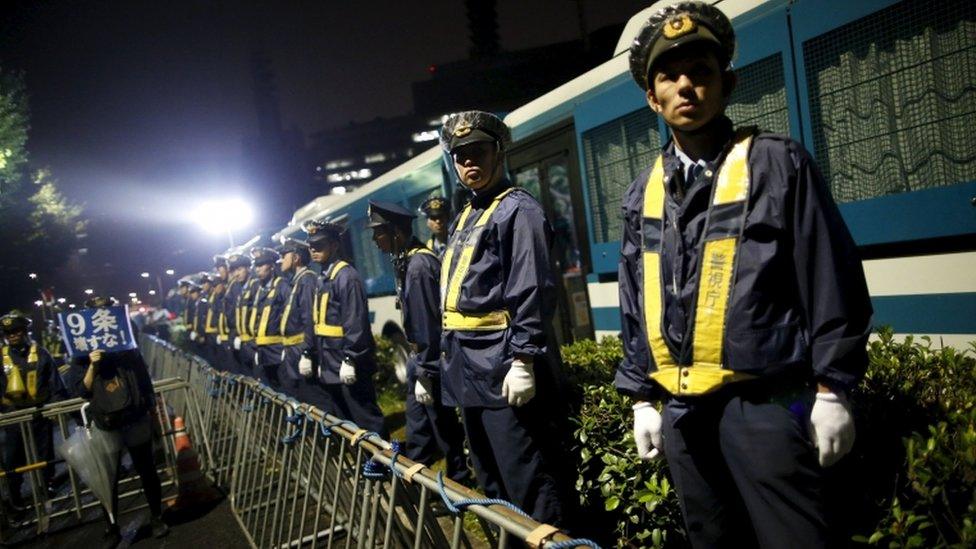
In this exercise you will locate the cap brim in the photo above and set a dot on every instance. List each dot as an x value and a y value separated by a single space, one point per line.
702 34
476 136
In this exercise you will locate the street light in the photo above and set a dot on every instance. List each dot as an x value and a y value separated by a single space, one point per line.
216 216
38 303
32 276
89 291
61 300
144 275
152 292
71 305
132 294
170 272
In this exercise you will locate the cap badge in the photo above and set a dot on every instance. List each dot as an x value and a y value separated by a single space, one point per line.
462 130
678 26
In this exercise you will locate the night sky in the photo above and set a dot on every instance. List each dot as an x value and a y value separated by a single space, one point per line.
140 108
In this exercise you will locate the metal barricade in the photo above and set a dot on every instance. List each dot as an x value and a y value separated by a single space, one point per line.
297 476
61 510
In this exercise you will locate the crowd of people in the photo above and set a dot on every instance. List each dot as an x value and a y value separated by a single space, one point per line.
743 306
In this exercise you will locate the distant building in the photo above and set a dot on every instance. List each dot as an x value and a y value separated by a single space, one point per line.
351 155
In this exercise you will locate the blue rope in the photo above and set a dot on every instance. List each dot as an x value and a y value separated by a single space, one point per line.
326 430
395 446
363 436
457 506
298 420
582 542
374 470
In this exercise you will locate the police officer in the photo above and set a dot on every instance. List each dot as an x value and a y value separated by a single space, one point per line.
265 319
498 295
244 342
238 266
346 349
193 291
215 304
183 290
201 311
742 298
437 210
430 424
298 327
30 379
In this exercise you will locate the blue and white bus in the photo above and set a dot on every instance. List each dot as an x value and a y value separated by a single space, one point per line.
882 92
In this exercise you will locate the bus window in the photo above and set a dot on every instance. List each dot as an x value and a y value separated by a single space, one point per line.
892 104
759 98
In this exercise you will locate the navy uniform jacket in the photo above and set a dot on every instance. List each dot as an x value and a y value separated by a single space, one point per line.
799 300
270 353
50 386
300 316
509 271
200 315
213 310
231 296
420 305
348 308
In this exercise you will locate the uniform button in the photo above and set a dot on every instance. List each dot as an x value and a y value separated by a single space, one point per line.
685 373
684 386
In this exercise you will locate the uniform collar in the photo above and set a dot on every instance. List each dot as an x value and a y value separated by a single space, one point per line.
482 199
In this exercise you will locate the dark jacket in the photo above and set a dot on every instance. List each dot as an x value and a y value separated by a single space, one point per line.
128 365
300 298
799 301
420 305
509 271
347 307
50 387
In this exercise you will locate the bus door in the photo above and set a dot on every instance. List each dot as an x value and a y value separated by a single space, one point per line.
548 168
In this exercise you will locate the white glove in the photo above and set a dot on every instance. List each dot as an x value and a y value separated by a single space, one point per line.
219 339
305 366
347 373
282 356
647 431
237 344
519 383
422 391
257 357
193 335
831 427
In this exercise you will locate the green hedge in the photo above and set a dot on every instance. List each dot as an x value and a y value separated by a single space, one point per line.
909 482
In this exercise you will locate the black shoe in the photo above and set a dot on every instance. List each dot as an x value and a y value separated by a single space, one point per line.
111 531
159 528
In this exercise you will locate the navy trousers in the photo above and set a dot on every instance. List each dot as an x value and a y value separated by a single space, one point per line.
745 471
306 389
357 403
513 458
435 430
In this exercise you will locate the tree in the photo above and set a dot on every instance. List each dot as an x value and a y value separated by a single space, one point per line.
38 225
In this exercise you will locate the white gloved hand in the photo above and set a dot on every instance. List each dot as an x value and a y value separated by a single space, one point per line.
305 366
423 391
219 339
282 356
193 335
257 358
831 427
237 344
347 373
519 383
647 431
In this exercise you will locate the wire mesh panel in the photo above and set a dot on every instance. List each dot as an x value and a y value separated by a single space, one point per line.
893 99
759 98
614 153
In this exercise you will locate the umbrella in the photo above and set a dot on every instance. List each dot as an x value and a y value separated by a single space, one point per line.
92 454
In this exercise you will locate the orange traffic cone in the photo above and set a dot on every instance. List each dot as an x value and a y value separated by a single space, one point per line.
195 488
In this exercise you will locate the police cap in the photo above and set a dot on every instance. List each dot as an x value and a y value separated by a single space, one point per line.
184 281
220 259
388 213
263 256
435 206
236 260
464 128
677 25
320 232
101 301
203 277
14 321
292 245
